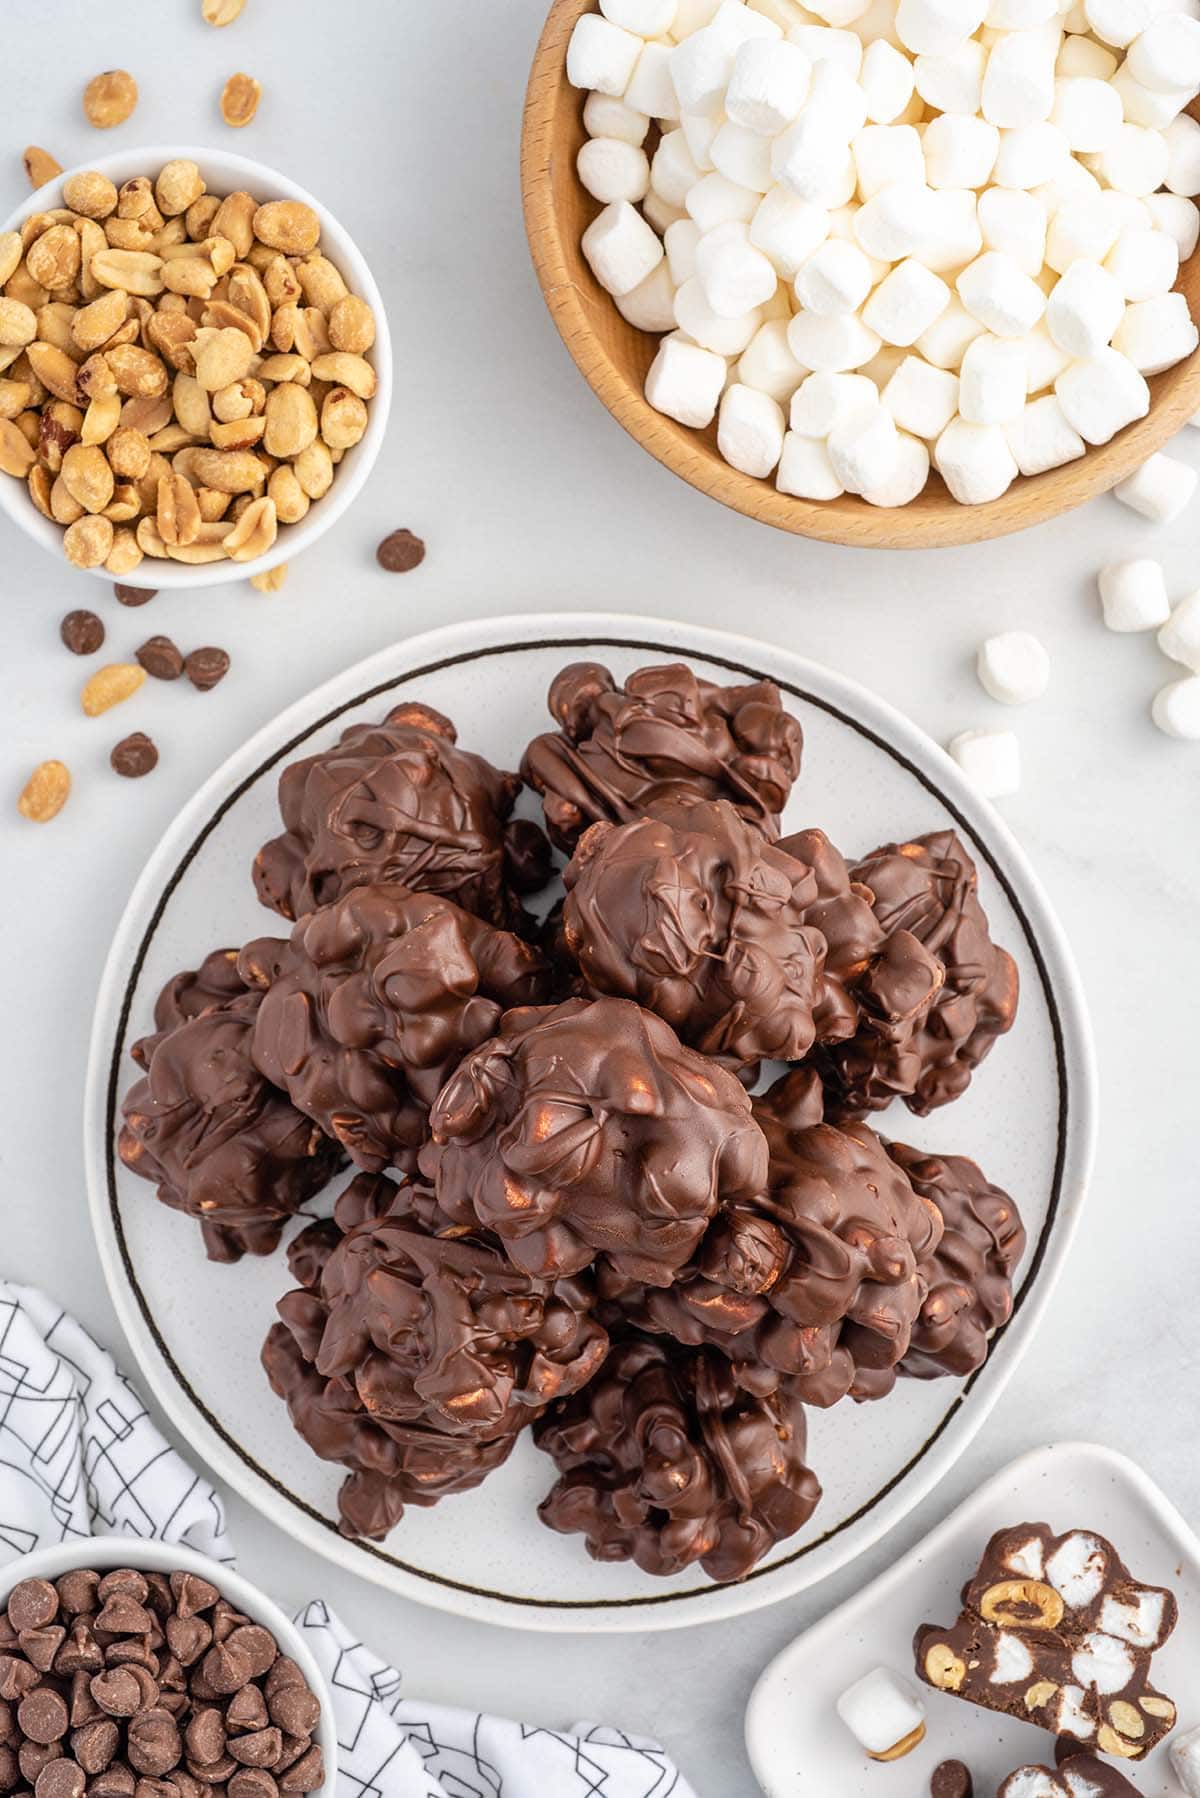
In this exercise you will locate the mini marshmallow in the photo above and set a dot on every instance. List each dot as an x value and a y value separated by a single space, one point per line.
620 247
836 278
959 152
829 402
699 130
906 303
956 238
693 15
605 116
1135 162
805 469
881 1711
1041 438
839 13
1166 55
1087 111
715 200
612 169
897 222
1084 309
910 472
734 276
996 292
991 389
1183 155
974 461
936 26
702 64
952 80
743 157
684 382
1014 221
1144 263
601 56
1044 361
864 450
1155 334
1013 667
878 24
673 173
883 365
1118 22
1019 15
1185 1751
767 363
1032 155
788 229
651 89
651 304
1083 56
1179 637
1083 231
649 18
1177 216
724 336
1101 395
656 212
1018 83
1159 490
922 399
681 240
831 345
945 342
810 157
1133 595
884 154
768 86
886 79
750 430
785 13
990 759
1176 711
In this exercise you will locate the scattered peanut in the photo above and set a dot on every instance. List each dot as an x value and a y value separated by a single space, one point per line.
220 12
108 100
40 166
45 792
239 100
110 685
272 580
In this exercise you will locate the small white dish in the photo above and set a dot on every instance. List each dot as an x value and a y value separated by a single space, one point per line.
799 1747
104 1552
225 173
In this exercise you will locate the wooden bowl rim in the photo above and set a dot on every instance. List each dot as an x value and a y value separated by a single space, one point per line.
930 523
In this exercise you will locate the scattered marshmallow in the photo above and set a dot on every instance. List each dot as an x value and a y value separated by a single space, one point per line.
922 399
1166 55
974 461
768 86
990 759
1144 263
1160 489
716 200
887 80
991 389
1084 309
1155 334
1182 138
905 304
885 154
767 363
788 229
900 221
836 278
959 151
673 172
864 450
650 306
1137 161
952 81
1014 221
601 55
620 247
832 344
935 26
909 473
734 276
1133 595
1087 110
696 318
681 241
651 89
1033 155
1185 1758
805 469
1101 395
1146 105
1042 438
1018 84
605 116
611 169
882 1712
1179 637
824 43
743 157
750 430
1118 22
1179 217
829 402
1176 711
945 342
649 18
684 382
1013 667
996 291
1083 56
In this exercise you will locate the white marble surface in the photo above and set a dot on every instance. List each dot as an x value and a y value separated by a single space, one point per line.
404 117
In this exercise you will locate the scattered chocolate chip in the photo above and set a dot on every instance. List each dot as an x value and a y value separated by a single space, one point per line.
134 596
253 1782
95 1745
951 1780
77 1590
16 1677
80 1653
116 1781
205 667
161 658
123 1615
189 1638
154 1745
33 1756
126 1580
295 1710
83 633
226 1669
308 1773
60 1779
117 1692
247 1710
40 1646
133 756
400 552
284 1673
257 1644
42 1715
192 1594
34 1602
205 1737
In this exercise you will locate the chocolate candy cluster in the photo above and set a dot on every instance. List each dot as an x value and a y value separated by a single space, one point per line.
598 1232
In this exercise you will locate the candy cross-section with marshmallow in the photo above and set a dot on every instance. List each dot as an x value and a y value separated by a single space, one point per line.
1082 1776
1056 1630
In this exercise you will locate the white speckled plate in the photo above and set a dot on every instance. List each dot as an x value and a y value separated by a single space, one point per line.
869 776
799 1747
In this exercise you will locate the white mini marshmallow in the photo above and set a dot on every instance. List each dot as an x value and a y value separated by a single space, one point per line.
1085 230
768 86
1000 295
785 13
788 229
716 200
839 13
1155 334
1041 438
991 387
651 304
611 169
1018 83
822 43
1166 55
952 80
750 430
767 363
1137 160
1176 711
1015 221
693 15
1103 1663
900 221
805 469
1084 309
605 116
883 365
945 342
906 303
649 18
1147 105
673 173
1013 667
878 24
684 382
864 450
1031 156
1160 489
812 156
1087 111
1118 22
836 278
909 473
601 56
1013 1658
734 276
1019 15
990 759
656 212
828 402
936 26
1133 595
1144 263
1185 1749
702 64
651 89
1044 361
1179 217
1085 57
1101 395
620 247
1183 155
886 79
956 238
1179 637
696 318
881 1711
922 399
743 157
959 152
831 345
974 461
699 130
681 240
884 154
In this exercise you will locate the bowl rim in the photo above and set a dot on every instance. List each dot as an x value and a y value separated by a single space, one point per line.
351 475
1030 500
156 1556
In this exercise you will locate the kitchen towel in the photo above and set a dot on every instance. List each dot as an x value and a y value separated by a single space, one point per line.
80 1456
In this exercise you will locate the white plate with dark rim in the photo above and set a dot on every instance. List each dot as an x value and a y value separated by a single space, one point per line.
869 776
797 1744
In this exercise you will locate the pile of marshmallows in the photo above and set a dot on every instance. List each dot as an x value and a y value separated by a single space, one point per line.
876 233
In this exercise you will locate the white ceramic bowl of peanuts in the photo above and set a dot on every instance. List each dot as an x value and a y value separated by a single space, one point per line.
253 371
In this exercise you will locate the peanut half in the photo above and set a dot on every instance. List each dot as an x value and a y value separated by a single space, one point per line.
45 792
110 685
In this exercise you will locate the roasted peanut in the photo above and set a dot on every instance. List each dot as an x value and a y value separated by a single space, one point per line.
213 506
63 509
139 373
178 515
11 251
91 194
124 555
53 258
352 325
87 476
125 504
110 685
101 419
93 325
343 418
192 409
14 397
55 370
18 324
291 501
220 12
16 455
87 543
239 100
108 99
943 1668
291 420
229 471
40 166
254 533
320 281
137 271
147 415
271 580
54 326
238 433
1022 1604
179 184
45 792
39 490
346 370
287 225
222 357
314 469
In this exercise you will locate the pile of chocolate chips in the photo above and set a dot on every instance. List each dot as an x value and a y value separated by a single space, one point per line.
138 1685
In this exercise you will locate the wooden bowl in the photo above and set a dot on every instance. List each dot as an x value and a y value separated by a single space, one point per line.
614 358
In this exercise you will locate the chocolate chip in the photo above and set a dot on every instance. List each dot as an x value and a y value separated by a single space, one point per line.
117 1692
260 1748
399 552
951 1780
123 1614
154 1744
10 1769
16 1676
95 1745
226 1669
33 1603
257 1644
8 1723
295 1710
188 1638
133 756
42 1715
115 1782
41 1645
284 1673
60 1779
133 596
213 1772
156 1788
253 1782
159 1596
83 633
33 1756
132 1651
80 1652
124 1580
308 1774
205 667
192 1594
77 1590
247 1710
205 1737
160 658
